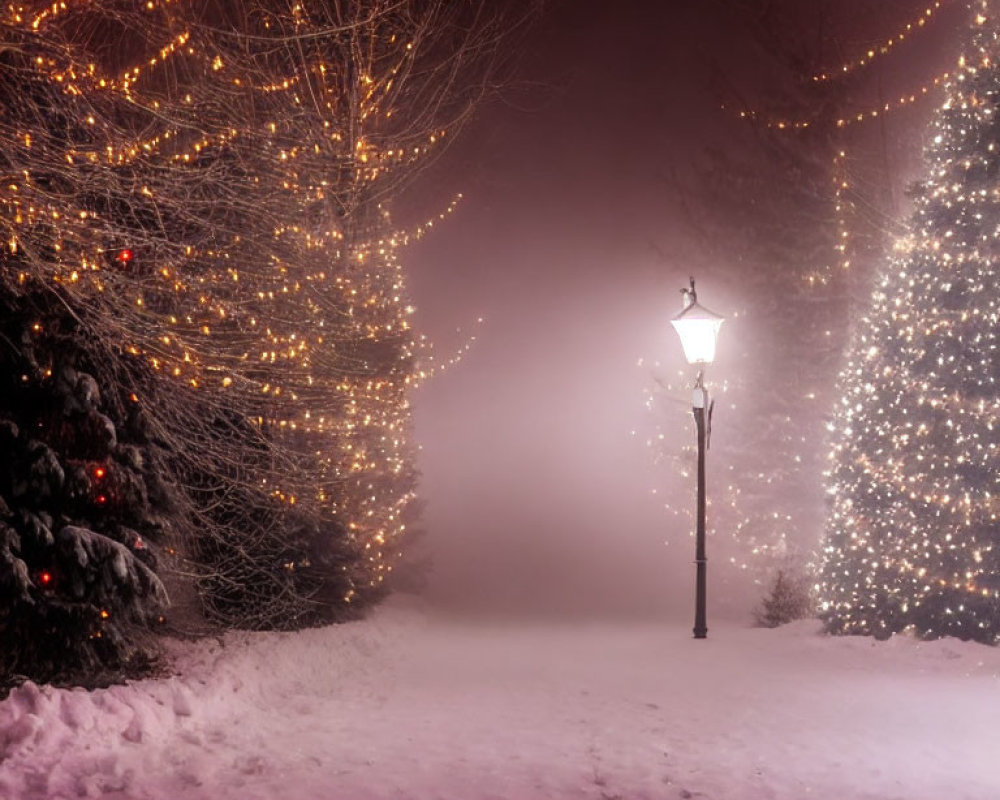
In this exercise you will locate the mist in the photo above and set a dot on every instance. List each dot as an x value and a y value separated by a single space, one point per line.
576 232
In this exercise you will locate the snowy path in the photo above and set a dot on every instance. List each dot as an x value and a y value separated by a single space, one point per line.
401 706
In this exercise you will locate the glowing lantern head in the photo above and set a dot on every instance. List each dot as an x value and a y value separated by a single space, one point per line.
698 328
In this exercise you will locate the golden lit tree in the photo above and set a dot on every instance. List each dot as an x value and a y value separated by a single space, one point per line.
913 538
203 187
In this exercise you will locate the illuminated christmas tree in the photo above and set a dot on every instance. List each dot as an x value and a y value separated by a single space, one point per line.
913 538
202 189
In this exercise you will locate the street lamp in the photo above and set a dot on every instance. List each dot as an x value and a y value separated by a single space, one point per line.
699 328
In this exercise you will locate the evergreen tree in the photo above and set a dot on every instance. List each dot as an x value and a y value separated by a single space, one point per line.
788 598
913 538
83 514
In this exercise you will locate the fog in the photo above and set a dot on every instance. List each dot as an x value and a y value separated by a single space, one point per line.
572 243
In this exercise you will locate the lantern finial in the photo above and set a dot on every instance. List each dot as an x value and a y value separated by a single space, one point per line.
690 296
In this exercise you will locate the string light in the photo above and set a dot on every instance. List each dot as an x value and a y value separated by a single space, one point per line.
861 115
824 275
883 49
854 118
901 102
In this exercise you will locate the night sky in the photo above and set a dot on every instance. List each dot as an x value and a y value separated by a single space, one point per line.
580 223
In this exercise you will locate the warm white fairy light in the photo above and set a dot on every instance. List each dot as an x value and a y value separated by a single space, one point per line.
296 308
914 534
882 49
822 275
864 60
855 117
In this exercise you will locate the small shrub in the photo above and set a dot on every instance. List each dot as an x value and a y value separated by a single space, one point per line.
789 597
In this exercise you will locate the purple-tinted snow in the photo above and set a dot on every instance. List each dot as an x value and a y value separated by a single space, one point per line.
409 706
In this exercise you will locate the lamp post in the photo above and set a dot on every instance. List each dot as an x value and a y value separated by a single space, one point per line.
698 329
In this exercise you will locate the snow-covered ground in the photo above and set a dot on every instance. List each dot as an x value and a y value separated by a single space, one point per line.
405 705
